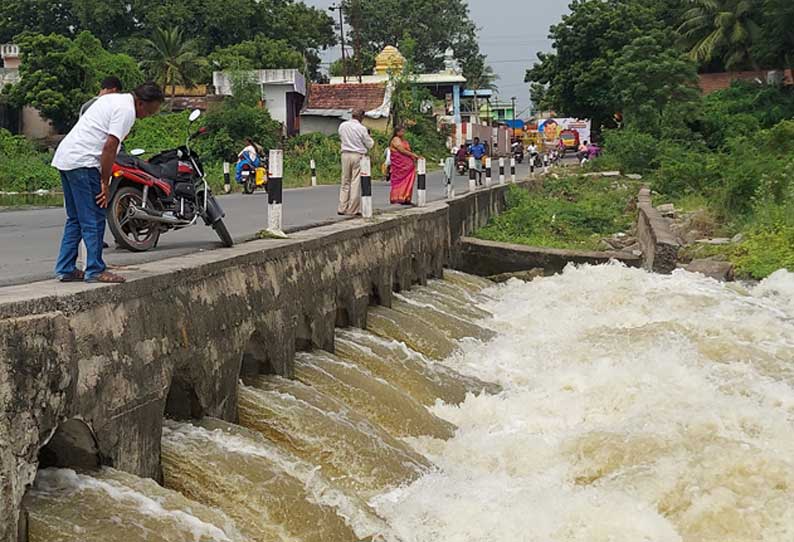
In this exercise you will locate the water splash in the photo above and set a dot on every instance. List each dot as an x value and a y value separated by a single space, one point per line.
353 452
376 399
111 505
636 407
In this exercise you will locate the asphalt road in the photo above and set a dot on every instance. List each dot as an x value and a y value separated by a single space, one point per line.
29 239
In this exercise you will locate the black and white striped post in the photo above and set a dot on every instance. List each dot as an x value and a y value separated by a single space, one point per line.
421 182
513 170
502 170
313 166
275 193
487 171
546 164
227 183
366 187
472 174
449 172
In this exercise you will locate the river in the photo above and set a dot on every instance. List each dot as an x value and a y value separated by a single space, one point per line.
602 404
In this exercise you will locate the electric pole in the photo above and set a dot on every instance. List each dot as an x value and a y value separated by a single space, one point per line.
334 7
514 116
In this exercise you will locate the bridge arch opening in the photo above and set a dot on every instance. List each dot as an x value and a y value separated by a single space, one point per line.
73 445
256 360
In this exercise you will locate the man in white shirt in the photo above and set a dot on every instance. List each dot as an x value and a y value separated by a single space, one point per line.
85 160
356 143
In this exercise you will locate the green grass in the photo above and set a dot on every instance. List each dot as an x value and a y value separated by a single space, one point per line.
572 212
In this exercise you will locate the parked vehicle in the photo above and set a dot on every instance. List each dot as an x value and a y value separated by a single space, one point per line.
167 192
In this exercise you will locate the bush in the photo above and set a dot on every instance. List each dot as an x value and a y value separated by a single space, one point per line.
630 150
22 167
572 212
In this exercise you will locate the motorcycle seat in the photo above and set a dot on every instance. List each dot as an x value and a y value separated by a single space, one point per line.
132 161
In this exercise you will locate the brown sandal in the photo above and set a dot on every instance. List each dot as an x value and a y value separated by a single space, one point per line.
107 277
75 276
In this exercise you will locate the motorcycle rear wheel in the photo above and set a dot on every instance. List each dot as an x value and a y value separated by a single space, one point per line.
133 235
223 233
249 186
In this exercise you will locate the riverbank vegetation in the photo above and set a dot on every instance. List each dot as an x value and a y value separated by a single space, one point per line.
731 152
569 211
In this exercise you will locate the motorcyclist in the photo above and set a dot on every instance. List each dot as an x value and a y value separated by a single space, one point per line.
460 156
248 156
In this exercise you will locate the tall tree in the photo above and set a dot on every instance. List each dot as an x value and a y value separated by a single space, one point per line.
649 77
721 29
172 60
576 79
256 54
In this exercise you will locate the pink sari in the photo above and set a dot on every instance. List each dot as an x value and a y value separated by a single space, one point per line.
403 175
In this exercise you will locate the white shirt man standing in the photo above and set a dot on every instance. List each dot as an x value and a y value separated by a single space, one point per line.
356 143
85 160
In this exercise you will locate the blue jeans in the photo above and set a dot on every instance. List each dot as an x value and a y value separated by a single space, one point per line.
85 220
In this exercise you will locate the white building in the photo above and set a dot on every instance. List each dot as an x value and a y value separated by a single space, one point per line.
283 93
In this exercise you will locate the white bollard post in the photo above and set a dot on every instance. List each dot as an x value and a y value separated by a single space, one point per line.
275 193
421 182
513 170
227 183
472 174
366 187
82 256
502 170
313 165
546 164
487 171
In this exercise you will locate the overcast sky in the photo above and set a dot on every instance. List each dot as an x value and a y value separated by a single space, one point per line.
511 34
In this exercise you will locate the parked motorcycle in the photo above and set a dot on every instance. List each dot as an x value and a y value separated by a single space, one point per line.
167 192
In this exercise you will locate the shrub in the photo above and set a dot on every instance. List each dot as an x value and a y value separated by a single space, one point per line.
631 150
22 167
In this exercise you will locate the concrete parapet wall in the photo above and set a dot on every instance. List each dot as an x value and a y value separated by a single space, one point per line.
659 245
487 258
175 339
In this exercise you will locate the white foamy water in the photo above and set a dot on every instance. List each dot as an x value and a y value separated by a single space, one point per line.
636 408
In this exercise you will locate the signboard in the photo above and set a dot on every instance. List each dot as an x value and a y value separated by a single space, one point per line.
550 128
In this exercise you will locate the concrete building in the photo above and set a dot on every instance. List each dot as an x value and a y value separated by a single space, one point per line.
26 121
330 105
283 93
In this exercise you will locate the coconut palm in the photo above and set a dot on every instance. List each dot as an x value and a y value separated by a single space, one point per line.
172 60
721 29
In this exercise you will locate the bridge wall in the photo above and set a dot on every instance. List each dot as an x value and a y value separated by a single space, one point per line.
175 339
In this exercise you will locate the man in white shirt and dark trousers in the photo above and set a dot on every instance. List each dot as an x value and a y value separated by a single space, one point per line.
85 160
356 143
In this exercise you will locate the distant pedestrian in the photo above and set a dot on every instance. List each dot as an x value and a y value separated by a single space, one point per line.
387 165
85 160
110 85
403 168
477 150
356 143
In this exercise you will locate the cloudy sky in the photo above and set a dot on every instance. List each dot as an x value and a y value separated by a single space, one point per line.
511 34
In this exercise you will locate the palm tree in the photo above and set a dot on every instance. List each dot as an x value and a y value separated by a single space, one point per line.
721 29
172 60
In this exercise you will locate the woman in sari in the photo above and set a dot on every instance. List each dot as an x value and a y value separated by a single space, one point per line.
403 168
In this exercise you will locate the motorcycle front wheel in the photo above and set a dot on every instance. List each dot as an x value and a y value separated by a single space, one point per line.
132 234
223 233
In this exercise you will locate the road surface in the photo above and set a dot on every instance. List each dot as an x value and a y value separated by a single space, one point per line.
29 239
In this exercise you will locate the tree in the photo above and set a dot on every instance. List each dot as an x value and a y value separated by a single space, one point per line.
259 53
721 29
576 79
435 25
172 60
35 16
651 76
59 74
775 45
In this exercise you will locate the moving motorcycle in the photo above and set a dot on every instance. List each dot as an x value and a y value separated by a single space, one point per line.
167 192
518 153
254 177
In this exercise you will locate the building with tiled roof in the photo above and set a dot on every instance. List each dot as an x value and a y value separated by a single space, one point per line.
328 105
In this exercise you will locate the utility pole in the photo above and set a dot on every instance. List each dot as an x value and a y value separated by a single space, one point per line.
334 7
514 116
355 22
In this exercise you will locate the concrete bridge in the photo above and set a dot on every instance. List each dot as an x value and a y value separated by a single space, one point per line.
88 372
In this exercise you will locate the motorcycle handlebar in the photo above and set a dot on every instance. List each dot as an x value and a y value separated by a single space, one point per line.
200 131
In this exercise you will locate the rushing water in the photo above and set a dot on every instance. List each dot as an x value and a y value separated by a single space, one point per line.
603 404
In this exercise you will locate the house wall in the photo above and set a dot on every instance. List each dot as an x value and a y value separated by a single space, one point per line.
34 126
322 125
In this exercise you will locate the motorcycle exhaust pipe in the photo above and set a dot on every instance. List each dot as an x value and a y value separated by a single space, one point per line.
136 213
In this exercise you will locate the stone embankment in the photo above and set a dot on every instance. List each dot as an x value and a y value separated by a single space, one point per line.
658 244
